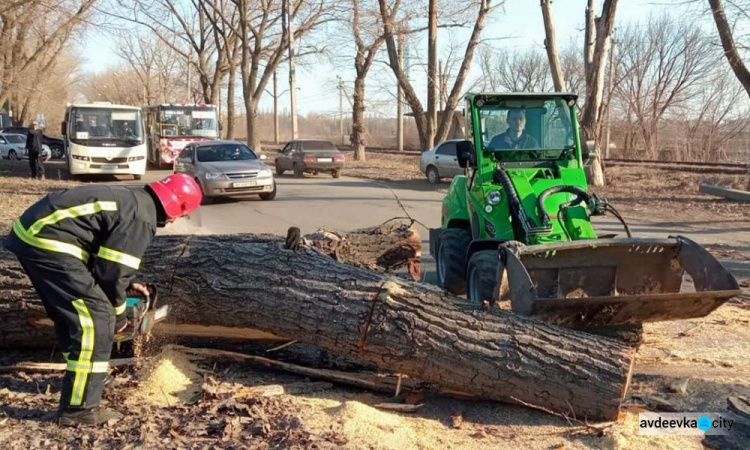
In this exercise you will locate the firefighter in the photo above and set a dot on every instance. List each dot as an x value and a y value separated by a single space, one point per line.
81 248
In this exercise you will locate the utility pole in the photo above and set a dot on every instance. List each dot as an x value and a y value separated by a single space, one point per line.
341 108
287 19
275 109
399 94
611 77
441 85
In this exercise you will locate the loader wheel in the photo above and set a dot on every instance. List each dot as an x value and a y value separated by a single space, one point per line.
481 277
451 259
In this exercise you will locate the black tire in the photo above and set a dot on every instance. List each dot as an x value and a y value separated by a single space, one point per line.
269 195
57 151
336 173
299 173
279 170
451 259
12 155
481 276
433 176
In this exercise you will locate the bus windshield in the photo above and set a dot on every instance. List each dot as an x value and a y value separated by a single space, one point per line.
91 126
188 121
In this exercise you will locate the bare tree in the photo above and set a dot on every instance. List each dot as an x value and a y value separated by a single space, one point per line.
364 22
389 14
663 66
717 118
35 31
550 43
573 70
186 28
728 44
514 70
153 63
596 46
263 44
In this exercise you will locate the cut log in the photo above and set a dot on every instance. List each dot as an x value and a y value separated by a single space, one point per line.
384 248
719 191
254 282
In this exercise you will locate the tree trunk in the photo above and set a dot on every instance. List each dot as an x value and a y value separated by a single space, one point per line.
432 74
253 281
727 43
358 117
230 102
602 27
251 120
551 45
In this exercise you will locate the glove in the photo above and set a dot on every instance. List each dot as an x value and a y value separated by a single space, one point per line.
121 322
137 289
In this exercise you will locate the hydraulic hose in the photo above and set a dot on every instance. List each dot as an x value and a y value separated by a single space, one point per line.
516 209
581 196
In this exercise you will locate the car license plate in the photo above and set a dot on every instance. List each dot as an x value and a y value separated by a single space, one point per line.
244 184
325 159
109 166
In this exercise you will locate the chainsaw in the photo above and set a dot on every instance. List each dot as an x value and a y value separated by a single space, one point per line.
143 312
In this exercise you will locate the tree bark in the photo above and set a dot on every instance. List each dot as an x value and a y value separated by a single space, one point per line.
601 27
551 45
358 118
253 281
432 73
230 102
727 43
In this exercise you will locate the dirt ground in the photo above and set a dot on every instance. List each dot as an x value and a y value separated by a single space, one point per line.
175 401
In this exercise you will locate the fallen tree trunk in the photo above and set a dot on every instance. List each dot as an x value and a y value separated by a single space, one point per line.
254 282
384 248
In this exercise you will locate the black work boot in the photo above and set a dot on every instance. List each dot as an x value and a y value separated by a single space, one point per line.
88 416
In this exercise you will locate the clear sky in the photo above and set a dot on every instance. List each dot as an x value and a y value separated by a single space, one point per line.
518 24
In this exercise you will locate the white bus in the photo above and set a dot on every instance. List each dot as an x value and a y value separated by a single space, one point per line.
172 126
102 138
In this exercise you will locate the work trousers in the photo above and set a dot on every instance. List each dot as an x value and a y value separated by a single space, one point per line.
84 323
36 165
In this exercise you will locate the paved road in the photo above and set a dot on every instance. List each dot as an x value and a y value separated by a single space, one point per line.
350 203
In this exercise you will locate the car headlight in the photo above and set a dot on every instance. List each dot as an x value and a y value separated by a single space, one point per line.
214 175
494 197
264 173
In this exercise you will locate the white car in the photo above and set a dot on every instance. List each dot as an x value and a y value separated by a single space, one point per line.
13 146
441 161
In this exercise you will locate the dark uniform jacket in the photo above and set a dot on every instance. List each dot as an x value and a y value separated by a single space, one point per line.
506 141
34 141
108 228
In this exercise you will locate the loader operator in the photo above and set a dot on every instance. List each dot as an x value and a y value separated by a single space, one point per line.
81 248
515 137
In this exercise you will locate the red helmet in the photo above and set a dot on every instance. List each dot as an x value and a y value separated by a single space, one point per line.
179 194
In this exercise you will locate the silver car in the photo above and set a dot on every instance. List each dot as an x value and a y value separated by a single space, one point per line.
441 161
226 168
13 146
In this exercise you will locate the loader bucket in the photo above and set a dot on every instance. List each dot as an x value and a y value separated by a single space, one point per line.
604 282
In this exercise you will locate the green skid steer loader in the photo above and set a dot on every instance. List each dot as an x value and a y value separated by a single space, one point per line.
517 226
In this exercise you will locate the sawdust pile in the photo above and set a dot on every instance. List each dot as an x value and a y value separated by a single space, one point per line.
364 425
170 379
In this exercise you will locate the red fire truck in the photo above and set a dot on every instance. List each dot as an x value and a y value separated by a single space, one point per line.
171 126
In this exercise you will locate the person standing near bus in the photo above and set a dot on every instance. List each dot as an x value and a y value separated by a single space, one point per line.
34 148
